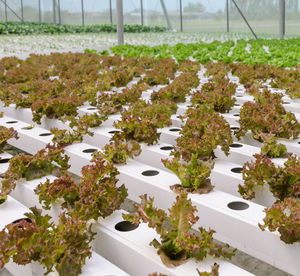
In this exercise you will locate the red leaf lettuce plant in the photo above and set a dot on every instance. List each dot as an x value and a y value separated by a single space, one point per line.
63 247
284 217
31 167
283 181
177 243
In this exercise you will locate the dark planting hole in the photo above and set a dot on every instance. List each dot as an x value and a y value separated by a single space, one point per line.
89 150
92 108
114 131
178 116
150 173
235 145
234 128
125 226
238 205
236 105
4 160
236 115
45 134
237 170
166 148
11 122
18 220
175 129
298 142
239 96
286 103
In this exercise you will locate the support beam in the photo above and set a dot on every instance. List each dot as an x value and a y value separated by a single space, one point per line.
281 18
59 14
110 12
6 6
242 15
180 13
142 13
54 11
5 10
227 15
120 23
82 12
22 11
162 2
40 12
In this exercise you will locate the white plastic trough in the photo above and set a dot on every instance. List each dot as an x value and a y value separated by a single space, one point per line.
214 207
11 211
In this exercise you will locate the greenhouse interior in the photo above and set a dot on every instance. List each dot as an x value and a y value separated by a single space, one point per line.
149 138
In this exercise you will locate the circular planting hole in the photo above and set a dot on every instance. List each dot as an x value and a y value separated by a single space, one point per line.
92 108
234 128
166 148
18 220
237 170
89 150
150 173
235 145
237 105
114 131
11 122
239 96
45 134
238 205
175 129
286 102
125 226
4 160
236 115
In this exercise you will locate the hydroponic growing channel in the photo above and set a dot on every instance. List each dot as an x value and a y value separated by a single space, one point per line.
212 148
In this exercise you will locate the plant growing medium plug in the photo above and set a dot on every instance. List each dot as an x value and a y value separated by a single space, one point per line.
177 243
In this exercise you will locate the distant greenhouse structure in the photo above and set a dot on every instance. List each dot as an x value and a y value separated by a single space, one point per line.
268 16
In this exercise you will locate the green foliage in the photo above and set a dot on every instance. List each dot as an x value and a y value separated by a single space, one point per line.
26 28
177 243
63 247
284 217
32 166
203 131
283 181
283 53
193 175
